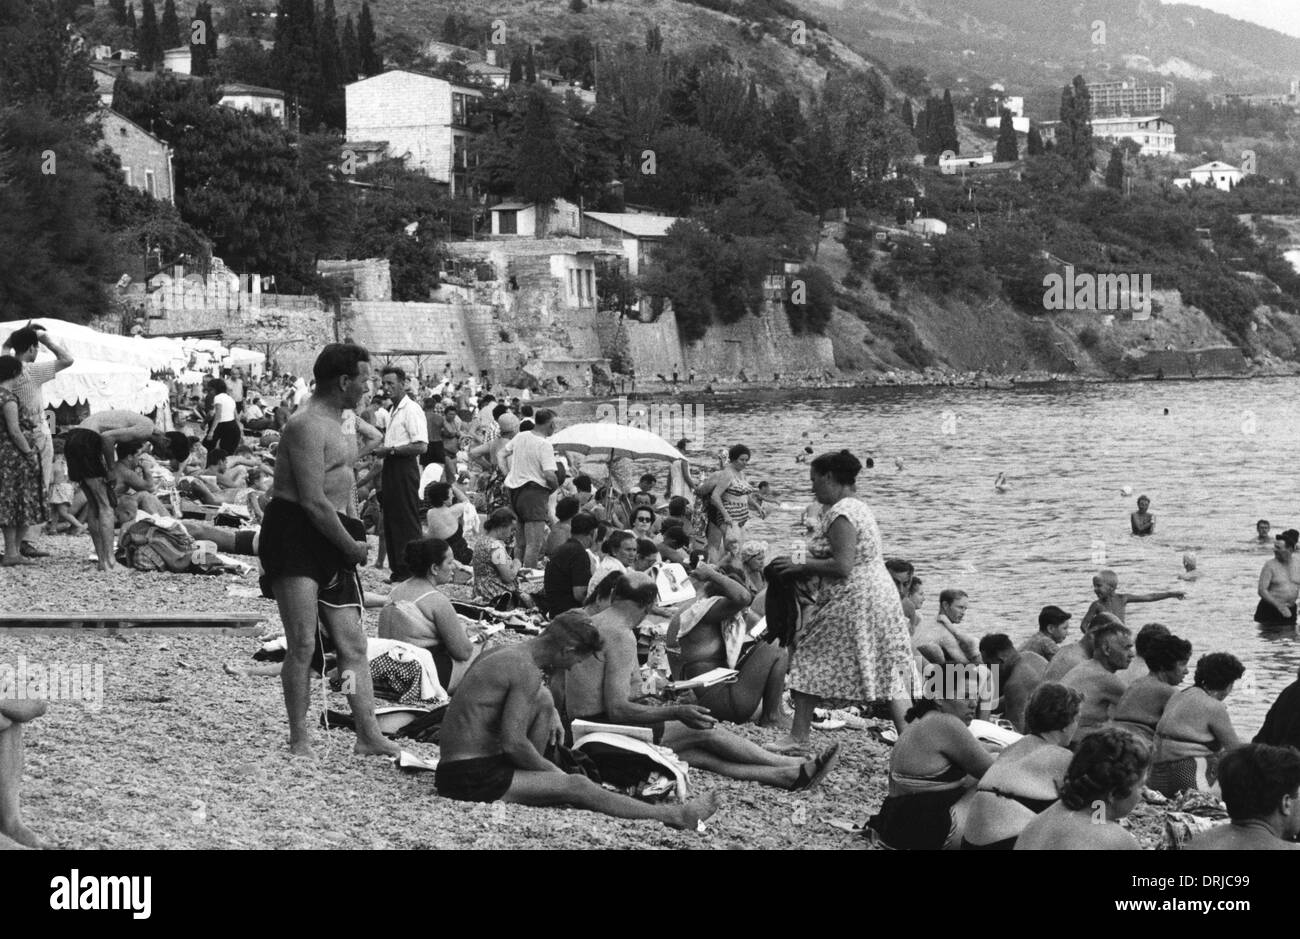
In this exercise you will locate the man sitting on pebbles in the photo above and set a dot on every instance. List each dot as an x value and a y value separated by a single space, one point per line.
503 718
601 691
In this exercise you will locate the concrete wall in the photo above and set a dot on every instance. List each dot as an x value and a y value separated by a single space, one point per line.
459 331
371 278
760 345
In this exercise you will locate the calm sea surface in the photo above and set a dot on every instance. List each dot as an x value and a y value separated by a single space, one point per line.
1220 459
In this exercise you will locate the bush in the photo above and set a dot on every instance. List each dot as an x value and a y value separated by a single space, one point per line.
886 281
813 314
852 281
1089 337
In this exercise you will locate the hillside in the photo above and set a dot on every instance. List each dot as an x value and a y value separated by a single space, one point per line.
759 40
1041 44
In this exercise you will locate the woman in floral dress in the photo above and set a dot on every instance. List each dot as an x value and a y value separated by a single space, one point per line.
853 646
22 500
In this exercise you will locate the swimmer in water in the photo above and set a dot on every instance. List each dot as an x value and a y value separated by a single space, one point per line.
1262 529
898 464
1189 567
1001 484
805 456
1142 521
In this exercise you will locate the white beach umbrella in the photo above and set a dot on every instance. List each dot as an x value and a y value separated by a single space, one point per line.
605 438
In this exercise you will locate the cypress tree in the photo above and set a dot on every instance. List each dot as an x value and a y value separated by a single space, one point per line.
119 11
1115 169
908 117
1007 149
372 63
516 71
130 21
149 53
530 67
1074 136
200 60
350 52
1034 144
331 68
948 125
169 29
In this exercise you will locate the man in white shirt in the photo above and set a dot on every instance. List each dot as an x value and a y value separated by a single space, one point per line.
530 482
24 344
405 438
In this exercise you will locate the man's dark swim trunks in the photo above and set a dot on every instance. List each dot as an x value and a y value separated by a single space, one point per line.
480 779
291 546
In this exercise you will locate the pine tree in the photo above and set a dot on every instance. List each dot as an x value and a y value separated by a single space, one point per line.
331 68
119 11
372 63
350 52
149 53
1034 144
530 68
1008 151
169 29
908 117
516 71
1115 169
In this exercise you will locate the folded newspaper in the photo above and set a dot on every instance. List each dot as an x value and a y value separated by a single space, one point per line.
717 676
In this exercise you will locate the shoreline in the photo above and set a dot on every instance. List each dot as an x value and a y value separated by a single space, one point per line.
967 380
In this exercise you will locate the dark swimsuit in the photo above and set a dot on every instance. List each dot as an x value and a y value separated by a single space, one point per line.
479 779
919 821
1267 615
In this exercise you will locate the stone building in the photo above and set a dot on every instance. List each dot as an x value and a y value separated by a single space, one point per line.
146 159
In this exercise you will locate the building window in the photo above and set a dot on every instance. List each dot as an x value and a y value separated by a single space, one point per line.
126 174
459 109
149 186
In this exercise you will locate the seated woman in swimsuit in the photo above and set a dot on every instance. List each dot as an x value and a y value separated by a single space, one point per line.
1026 777
1143 704
710 633
419 613
936 762
1195 728
1102 784
446 518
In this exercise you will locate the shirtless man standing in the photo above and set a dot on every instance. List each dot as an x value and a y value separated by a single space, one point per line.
601 691
91 453
1095 679
1279 583
503 718
310 550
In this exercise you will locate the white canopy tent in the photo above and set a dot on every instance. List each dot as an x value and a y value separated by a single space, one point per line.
82 342
106 386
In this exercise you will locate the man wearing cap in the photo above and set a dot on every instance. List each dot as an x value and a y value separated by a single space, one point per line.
1053 626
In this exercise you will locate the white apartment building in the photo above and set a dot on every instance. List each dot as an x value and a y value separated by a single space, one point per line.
424 120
